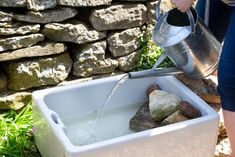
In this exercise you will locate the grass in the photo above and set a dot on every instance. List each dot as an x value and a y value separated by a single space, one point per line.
16 133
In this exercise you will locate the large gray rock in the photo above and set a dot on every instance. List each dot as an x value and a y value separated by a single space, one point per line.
90 60
142 120
118 16
37 5
3 81
43 49
15 101
84 3
124 42
47 16
129 62
162 104
76 32
20 29
5 17
13 43
13 3
38 71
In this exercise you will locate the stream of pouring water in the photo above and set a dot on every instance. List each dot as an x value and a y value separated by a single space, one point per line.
113 90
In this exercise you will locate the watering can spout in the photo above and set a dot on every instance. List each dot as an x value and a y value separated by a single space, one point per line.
154 72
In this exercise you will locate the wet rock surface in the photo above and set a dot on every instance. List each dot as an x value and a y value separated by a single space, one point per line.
177 116
152 88
162 109
188 110
142 120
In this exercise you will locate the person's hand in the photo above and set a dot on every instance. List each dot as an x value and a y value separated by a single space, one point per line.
182 5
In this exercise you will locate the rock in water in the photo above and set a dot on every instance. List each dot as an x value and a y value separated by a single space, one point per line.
177 116
152 88
188 110
142 120
162 104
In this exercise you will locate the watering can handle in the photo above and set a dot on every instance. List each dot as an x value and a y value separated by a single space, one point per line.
189 13
191 20
158 13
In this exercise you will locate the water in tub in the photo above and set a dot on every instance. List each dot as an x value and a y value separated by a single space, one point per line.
102 125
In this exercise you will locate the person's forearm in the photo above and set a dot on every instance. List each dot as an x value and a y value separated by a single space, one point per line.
182 5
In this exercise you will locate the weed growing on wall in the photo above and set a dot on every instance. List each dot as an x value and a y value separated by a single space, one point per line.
150 52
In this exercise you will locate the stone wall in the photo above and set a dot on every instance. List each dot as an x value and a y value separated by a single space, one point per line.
46 42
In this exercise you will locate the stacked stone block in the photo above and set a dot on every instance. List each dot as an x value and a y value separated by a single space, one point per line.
45 42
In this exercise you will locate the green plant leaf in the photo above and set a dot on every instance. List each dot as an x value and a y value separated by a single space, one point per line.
150 52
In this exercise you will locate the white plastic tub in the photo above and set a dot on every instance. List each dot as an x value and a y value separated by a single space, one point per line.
51 108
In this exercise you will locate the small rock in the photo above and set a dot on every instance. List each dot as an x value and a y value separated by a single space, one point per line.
152 88
188 110
177 116
142 120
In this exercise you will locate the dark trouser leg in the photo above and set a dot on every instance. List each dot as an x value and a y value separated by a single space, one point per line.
218 17
226 80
